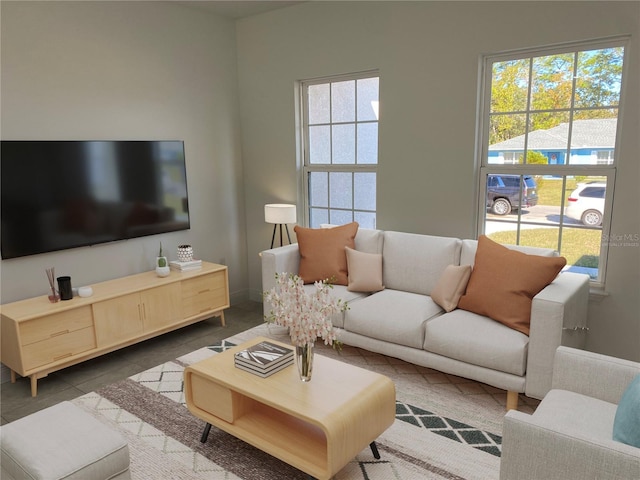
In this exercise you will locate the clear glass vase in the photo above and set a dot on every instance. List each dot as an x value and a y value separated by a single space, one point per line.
53 295
304 361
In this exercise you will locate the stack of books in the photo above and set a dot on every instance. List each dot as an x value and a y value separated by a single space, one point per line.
185 266
264 358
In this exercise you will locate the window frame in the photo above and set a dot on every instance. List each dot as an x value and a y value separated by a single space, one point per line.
306 168
484 168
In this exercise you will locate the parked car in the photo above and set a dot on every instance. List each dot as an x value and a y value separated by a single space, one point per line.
503 193
586 203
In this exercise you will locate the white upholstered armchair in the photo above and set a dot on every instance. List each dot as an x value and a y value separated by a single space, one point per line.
570 434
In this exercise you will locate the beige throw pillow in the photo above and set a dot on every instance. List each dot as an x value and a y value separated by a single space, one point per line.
322 255
451 285
365 271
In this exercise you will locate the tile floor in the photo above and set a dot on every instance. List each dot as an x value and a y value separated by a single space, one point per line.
16 400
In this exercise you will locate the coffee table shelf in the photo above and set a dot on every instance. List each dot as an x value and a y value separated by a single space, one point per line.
317 427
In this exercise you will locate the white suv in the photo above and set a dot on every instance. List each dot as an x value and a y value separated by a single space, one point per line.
586 203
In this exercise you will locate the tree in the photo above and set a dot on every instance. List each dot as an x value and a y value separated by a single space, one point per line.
547 93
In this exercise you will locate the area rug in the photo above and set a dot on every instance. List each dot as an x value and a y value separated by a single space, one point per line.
445 428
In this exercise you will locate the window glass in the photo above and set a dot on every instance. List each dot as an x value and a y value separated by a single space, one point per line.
548 150
340 138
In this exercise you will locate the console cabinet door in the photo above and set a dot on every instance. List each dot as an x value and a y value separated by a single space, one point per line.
118 319
161 307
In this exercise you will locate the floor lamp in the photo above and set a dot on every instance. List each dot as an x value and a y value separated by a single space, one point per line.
279 214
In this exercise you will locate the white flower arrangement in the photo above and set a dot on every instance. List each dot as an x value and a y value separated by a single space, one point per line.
306 314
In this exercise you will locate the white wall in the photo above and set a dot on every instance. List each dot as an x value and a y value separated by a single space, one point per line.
155 70
428 55
129 70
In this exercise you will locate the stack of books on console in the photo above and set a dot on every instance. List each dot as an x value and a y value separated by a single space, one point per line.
185 266
264 358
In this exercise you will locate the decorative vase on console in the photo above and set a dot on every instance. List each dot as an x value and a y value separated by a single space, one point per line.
162 265
307 315
185 253
53 295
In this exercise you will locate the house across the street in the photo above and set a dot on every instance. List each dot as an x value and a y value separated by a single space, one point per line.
592 143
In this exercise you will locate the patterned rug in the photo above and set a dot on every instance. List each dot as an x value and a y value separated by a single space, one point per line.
446 427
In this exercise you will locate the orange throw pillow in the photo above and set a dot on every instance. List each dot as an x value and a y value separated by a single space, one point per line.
503 283
322 254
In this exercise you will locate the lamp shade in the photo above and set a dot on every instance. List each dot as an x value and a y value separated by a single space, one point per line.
280 213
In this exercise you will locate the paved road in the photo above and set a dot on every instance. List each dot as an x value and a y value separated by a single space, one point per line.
541 215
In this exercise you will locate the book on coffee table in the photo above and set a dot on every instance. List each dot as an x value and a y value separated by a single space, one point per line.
264 373
264 356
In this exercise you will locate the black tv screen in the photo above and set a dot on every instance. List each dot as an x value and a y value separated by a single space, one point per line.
58 195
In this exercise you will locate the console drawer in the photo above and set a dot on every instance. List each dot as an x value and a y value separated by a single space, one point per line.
54 325
58 347
207 293
200 285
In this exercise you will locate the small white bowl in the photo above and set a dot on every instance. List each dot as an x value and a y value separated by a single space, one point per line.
85 291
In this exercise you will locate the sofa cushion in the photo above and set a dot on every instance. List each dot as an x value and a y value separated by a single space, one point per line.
413 263
341 292
503 283
577 415
451 285
477 340
369 240
322 254
365 271
626 426
392 316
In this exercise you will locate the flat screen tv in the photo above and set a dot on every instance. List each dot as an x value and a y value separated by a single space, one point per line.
57 195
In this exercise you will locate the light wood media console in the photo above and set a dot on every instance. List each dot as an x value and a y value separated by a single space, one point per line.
39 337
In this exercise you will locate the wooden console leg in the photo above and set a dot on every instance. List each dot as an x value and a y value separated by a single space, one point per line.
13 376
512 400
34 385
222 319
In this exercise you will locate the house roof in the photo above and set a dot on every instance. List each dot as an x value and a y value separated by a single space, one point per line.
595 133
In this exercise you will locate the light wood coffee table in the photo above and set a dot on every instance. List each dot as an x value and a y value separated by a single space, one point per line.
317 426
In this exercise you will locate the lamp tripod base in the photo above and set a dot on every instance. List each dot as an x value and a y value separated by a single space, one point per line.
273 236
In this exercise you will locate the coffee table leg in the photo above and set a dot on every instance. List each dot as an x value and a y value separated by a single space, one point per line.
374 450
205 433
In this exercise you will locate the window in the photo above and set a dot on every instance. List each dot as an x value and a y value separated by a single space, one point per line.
340 140
605 157
548 125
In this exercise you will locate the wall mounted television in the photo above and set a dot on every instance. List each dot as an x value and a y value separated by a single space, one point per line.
57 195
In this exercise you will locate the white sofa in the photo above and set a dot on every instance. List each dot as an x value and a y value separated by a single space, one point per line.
402 320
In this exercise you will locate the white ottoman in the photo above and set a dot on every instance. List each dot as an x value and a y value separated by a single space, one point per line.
59 442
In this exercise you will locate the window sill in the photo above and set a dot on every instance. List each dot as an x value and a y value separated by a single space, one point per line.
597 294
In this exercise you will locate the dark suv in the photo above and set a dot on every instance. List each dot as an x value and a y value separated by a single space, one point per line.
503 193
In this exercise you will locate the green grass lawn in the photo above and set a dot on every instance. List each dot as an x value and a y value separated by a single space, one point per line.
580 247
550 189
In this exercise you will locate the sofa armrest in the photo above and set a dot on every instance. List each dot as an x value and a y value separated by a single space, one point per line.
593 374
560 305
278 260
534 450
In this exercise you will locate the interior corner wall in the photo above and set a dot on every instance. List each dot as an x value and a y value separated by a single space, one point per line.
129 71
428 55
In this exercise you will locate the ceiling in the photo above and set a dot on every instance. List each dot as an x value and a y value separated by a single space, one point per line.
238 8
